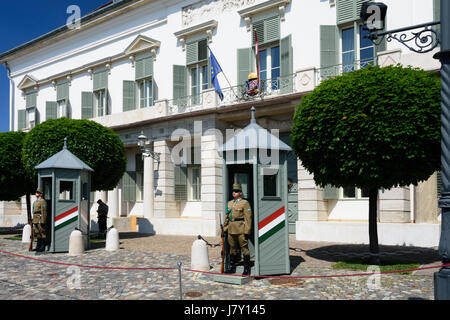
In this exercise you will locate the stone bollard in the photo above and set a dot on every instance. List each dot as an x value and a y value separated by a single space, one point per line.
76 245
26 234
199 256
112 240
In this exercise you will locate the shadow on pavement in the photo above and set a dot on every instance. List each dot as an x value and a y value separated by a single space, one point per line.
336 253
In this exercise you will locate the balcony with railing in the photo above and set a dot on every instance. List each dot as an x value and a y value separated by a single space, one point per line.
293 86
337 70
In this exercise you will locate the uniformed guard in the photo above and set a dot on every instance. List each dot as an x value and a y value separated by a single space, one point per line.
39 221
238 225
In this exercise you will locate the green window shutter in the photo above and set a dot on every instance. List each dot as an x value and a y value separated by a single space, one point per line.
258 26
330 193
22 120
179 82
37 118
348 10
272 29
51 110
31 100
144 66
191 53
100 80
244 64
329 46
180 177
154 90
287 65
437 14
381 45
129 95
345 10
196 52
87 105
62 91
129 186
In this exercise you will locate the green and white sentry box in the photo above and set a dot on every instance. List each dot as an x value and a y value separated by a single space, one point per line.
258 161
66 182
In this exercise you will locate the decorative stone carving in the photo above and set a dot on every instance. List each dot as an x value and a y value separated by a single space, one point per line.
208 9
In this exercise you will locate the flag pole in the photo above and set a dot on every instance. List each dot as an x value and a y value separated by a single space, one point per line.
226 78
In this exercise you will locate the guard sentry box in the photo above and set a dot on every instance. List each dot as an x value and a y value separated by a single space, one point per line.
66 182
257 160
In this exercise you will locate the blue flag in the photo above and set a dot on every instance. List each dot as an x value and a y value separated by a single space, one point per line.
215 70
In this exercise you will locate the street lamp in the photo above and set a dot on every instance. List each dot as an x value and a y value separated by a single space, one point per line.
373 15
146 151
425 41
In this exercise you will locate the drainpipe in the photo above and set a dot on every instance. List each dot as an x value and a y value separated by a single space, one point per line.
11 98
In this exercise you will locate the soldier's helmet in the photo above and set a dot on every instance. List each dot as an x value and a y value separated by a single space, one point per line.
39 190
237 187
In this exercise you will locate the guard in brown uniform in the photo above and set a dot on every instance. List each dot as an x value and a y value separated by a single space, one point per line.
238 225
39 221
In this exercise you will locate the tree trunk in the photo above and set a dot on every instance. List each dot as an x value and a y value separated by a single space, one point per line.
28 208
373 232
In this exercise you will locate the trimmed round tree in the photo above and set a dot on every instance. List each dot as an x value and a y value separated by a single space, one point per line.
97 146
14 182
372 128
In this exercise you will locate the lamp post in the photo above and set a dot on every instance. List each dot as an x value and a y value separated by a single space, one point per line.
425 41
148 156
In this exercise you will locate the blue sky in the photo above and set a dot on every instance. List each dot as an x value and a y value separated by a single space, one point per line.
22 21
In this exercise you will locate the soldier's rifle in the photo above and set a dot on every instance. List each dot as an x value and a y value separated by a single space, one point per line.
30 247
222 235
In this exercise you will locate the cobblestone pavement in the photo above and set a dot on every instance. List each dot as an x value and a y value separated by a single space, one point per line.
22 278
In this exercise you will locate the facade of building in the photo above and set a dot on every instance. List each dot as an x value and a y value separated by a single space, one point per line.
142 66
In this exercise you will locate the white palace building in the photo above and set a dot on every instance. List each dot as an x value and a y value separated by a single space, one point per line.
141 66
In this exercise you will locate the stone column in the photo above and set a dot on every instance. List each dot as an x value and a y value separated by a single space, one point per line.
425 201
113 204
211 180
149 188
394 205
311 205
165 205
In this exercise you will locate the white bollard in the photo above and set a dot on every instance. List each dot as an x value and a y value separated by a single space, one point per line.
199 256
112 240
76 244
26 234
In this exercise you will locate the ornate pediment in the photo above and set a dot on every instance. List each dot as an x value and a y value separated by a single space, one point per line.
141 44
27 83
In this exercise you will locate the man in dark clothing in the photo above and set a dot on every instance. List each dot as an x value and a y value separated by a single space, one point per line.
102 216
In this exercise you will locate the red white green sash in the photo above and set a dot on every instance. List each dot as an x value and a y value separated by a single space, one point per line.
271 225
66 218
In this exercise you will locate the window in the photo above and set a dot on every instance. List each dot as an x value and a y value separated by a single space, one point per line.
145 93
194 190
62 108
139 177
355 47
31 118
270 181
66 191
354 193
199 81
100 101
269 67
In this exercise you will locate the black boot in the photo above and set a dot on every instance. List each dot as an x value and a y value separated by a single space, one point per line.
231 265
38 246
247 266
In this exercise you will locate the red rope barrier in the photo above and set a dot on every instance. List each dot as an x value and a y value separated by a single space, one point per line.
234 275
79 265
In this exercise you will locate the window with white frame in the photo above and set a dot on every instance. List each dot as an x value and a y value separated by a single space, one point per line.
356 47
100 103
354 193
145 93
197 64
62 108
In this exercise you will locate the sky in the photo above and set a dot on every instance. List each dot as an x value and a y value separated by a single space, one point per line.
22 21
